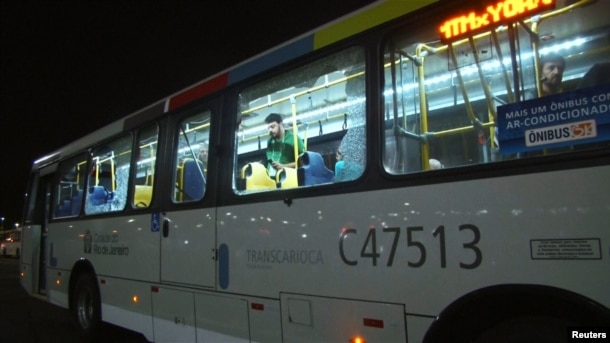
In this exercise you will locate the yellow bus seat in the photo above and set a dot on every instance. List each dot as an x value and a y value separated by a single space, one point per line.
287 178
256 176
142 196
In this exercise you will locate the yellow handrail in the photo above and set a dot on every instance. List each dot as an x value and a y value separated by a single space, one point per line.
295 130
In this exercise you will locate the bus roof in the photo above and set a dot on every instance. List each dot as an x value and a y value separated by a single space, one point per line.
376 13
348 25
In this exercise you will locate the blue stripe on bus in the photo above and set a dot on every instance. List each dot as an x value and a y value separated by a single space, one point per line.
223 266
272 59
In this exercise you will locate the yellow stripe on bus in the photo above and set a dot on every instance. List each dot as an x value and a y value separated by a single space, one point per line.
366 19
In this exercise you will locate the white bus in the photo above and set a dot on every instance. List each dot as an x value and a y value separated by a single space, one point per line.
10 243
440 196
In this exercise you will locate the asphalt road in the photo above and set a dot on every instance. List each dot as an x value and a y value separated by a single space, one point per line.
24 319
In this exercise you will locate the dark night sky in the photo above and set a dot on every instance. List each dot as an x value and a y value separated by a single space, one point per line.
70 67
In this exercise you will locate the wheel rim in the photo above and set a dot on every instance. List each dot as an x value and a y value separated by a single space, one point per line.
84 308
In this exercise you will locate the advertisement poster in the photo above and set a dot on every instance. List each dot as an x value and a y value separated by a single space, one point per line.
568 119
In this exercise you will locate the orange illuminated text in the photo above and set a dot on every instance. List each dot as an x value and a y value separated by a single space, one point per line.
495 14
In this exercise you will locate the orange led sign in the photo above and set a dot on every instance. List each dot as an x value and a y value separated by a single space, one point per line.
495 14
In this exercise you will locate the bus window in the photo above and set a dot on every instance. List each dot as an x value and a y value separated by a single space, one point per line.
191 158
442 99
109 176
70 186
146 153
322 109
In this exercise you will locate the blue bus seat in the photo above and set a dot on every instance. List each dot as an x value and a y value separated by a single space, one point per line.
77 202
192 180
63 210
312 170
98 195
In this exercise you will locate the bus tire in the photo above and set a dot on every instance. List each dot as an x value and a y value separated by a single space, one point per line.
540 329
86 307
515 313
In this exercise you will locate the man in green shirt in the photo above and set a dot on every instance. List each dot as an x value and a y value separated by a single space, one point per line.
280 146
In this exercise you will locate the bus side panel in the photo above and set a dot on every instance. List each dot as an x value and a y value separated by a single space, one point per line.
173 315
211 317
127 303
265 320
59 283
453 238
417 326
187 247
315 319
221 319
125 248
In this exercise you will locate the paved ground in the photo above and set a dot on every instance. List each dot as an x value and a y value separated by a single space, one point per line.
24 319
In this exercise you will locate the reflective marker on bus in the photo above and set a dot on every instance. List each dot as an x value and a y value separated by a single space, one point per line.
369 181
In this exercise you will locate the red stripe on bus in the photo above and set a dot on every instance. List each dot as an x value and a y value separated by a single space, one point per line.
375 323
257 306
198 91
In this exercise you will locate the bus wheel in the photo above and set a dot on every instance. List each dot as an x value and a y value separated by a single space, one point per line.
87 304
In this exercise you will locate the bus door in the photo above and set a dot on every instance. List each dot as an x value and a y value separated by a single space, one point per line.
34 233
188 247
188 235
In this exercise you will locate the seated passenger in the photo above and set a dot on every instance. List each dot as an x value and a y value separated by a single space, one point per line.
552 67
435 164
339 164
551 78
203 156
